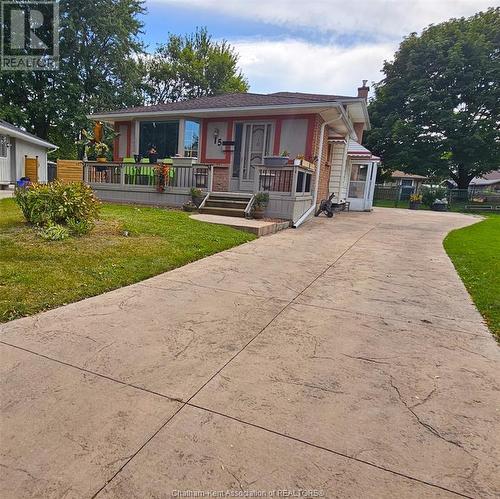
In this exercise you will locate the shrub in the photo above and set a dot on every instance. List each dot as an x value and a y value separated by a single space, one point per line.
261 199
430 194
53 232
80 227
56 203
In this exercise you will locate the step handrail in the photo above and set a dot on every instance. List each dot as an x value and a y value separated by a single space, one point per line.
204 201
250 204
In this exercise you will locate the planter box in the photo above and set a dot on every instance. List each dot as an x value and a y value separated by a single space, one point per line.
184 161
304 164
276 160
414 205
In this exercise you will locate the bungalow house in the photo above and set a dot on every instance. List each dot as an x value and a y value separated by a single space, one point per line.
223 144
488 182
22 155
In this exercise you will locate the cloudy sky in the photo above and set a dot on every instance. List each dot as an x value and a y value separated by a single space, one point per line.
324 46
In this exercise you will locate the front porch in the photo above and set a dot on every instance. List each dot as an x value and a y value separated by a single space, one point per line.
289 187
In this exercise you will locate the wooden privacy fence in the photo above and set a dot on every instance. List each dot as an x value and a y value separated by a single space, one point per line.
69 170
31 168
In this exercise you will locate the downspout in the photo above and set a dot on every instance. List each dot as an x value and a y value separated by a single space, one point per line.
305 215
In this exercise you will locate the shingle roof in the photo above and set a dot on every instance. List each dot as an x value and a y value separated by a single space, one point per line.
29 136
233 100
400 174
487 179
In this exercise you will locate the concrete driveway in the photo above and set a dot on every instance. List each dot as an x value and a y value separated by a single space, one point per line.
344 358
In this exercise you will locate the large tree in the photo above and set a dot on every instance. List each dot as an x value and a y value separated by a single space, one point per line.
99 70
436 112
193 66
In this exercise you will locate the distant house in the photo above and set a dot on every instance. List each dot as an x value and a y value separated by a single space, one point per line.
488 182
22 155
407 179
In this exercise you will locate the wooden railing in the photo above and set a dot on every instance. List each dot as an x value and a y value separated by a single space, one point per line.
293 181
148 176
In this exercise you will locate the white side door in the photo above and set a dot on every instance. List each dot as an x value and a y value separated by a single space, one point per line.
4 160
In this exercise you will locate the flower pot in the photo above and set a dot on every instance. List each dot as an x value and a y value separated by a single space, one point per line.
258 212
415 205
197 200
276 160
102 159
153 158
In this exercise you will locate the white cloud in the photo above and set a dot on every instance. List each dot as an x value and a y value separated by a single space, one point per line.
380 18
300 66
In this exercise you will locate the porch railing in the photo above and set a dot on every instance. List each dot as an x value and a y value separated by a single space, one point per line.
143 175
293 181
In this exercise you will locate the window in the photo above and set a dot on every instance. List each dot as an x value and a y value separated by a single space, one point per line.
162 134
358 181
191 139
406 182
3 146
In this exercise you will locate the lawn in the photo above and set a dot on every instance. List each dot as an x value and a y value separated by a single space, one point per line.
475 252
128 244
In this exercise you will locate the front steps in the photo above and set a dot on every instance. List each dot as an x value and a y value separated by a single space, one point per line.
229 204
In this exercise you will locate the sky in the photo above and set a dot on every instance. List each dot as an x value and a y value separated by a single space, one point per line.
321 46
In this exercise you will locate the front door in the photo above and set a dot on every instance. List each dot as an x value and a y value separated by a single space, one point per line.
256 143
4 160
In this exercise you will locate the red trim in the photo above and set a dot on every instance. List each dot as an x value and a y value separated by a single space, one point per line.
278 118
116 142
277 136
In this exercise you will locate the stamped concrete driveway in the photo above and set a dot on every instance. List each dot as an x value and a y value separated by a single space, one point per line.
344 357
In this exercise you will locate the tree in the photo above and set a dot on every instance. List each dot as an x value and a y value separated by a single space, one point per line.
193 66
99 70
436 112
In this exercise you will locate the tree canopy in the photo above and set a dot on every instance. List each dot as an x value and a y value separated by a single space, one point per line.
192 66
103 66
436 112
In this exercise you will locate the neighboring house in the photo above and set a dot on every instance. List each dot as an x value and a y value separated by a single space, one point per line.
230 135
22 154
488 182
406 180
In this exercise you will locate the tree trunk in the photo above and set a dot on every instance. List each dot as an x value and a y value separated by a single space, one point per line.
463 178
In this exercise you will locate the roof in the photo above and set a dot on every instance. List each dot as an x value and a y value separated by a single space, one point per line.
234 100
400 174
356 150
14 131
488 179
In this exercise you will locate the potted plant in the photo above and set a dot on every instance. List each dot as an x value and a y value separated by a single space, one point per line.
261 200
415 201
101 149
189 206
197 196
281 160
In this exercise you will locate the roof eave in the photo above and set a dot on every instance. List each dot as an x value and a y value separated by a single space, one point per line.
28 138
315 106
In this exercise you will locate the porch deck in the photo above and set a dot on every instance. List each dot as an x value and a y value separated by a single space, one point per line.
289 187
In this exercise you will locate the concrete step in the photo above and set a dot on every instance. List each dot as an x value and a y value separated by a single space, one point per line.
228 212
226 203
230 196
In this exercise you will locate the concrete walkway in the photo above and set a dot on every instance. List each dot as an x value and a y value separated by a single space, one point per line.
344 357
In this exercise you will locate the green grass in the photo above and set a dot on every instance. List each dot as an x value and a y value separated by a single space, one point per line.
475 252
37 275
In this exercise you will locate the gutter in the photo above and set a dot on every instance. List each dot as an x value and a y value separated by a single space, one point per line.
306 215
324 105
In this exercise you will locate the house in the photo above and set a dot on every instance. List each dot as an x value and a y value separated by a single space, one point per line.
406 180
488 182
222 144
22 155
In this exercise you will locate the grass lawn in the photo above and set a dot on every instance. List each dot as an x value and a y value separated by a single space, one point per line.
475 253
37 275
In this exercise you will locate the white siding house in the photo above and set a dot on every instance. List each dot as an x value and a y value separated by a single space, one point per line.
15 146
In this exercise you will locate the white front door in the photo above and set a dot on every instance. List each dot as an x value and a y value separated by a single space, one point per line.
257 143
4 160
